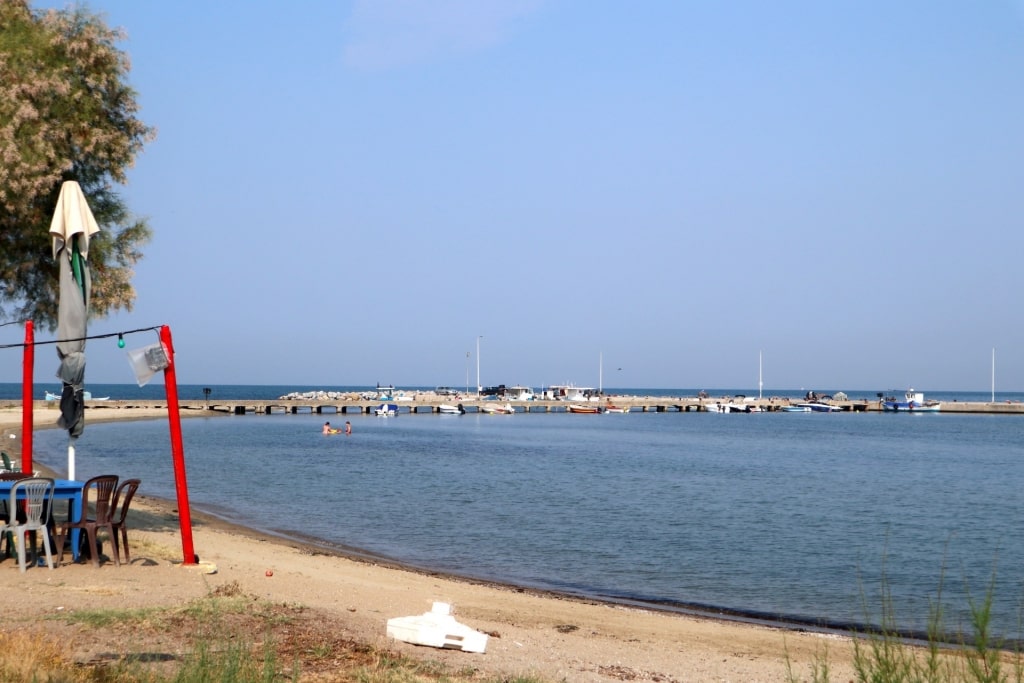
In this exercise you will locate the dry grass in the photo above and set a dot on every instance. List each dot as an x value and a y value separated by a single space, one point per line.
228 636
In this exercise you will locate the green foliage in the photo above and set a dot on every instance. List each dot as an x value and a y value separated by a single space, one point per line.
886 656
66 113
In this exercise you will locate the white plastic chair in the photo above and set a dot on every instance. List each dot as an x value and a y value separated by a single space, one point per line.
37 504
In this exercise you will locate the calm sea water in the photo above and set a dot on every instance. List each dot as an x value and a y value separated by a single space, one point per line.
800 517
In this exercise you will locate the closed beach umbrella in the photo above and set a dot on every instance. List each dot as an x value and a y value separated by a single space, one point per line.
72 226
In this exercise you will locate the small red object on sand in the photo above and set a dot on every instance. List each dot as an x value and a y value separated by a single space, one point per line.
270 572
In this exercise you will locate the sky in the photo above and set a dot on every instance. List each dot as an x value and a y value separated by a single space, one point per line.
664 193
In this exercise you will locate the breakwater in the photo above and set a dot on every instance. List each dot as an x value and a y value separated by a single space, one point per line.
429 404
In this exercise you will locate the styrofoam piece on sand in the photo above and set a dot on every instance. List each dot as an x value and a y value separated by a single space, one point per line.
437 628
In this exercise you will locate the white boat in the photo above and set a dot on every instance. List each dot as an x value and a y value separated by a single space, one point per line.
819 407
569 392
796 409
386 410
518 393
384 393
577 408
610 408
497 409
914 402
732 407
86 395
447 409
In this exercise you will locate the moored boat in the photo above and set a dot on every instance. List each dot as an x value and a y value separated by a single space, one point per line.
447 409
914 402
386 410
732 407
86 395
819 407
610 407
519 393
497 409
577 408
569 392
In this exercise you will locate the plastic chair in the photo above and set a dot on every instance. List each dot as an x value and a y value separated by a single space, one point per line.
36 504
122 499
10 476
98 498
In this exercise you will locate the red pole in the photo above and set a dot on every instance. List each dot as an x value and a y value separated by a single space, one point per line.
26 398
177 449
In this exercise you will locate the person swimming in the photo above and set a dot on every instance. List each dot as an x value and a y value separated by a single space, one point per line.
329 430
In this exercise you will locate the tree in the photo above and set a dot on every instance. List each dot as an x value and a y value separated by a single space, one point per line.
66 113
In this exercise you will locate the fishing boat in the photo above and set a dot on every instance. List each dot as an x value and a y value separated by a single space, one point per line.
616 409
796 409
386 410
913 402
448 409
518 393
497 409
568 392
577 408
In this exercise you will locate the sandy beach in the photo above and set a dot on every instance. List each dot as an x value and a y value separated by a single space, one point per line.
555 637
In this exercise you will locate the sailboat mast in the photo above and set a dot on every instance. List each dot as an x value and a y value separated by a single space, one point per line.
760 382
993 375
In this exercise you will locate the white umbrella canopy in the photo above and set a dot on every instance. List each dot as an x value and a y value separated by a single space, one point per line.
72 226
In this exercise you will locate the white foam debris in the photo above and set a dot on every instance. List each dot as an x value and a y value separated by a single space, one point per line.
437 628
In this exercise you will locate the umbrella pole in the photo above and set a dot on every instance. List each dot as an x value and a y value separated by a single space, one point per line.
177 450
26 398
71 459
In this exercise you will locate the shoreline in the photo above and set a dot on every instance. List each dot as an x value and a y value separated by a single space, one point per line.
354 553
785 622
793 623
557 635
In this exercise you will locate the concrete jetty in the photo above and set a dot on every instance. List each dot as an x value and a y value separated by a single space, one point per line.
430 404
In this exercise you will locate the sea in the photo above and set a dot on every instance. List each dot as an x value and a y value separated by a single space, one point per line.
815 520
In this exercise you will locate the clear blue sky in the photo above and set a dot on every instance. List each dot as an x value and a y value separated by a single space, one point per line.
346 193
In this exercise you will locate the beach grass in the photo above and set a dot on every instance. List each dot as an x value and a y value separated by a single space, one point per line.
884 654
229 635
226 636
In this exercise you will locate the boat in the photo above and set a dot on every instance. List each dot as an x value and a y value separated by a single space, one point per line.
818 407
518 393
86 395
386 410
914 402
497 409
732 407
569 392
577 408
796 409
384 393
448 409
610 407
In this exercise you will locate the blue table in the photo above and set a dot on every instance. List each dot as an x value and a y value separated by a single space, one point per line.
64 489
